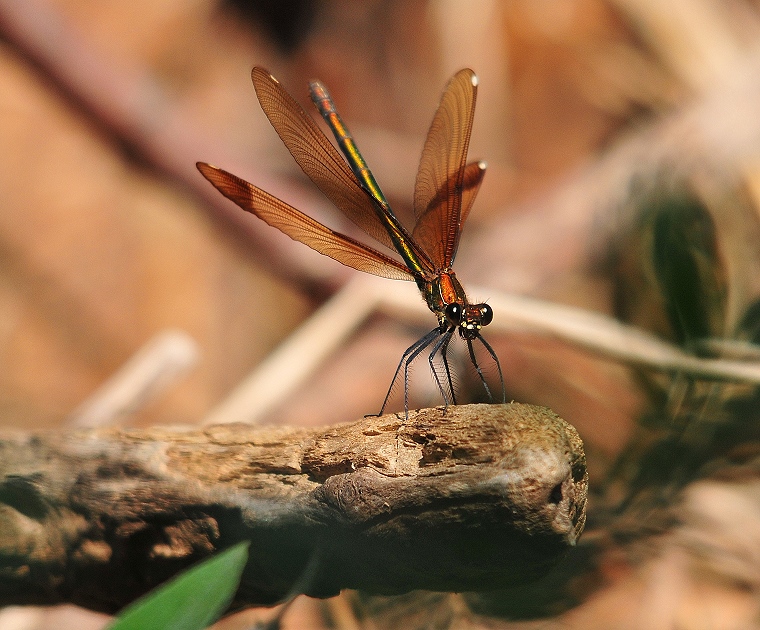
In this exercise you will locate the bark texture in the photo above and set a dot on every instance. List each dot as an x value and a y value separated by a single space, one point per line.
478 497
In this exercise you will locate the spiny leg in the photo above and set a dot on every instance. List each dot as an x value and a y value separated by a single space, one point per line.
498 367
422 342
427 339
480 372
441 346
445 358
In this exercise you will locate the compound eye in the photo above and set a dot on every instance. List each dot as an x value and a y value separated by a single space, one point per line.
486 315
453 313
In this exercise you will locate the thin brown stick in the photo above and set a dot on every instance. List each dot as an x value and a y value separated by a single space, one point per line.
478 497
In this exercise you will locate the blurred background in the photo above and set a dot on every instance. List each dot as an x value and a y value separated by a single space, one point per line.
623 144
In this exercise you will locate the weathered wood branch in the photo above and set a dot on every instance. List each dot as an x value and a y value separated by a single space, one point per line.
480 497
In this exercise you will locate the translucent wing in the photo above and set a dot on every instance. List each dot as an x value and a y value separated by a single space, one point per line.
439 186
303 228
473 177
426 230
316 155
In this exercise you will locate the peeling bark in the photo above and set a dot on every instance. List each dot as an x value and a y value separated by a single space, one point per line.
478 497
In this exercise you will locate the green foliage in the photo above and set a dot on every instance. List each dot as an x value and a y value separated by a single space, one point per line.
192 600
749 326
688 267
669 272
671 279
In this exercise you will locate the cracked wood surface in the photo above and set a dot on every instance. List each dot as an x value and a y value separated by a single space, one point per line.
480 497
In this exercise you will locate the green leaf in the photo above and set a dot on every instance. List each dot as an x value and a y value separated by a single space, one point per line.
190 601
749 326
688 267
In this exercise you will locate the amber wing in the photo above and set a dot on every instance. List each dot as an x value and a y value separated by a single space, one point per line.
316 155
440 181
303 228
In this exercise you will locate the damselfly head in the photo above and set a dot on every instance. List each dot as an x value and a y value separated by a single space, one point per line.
469 319
475 317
